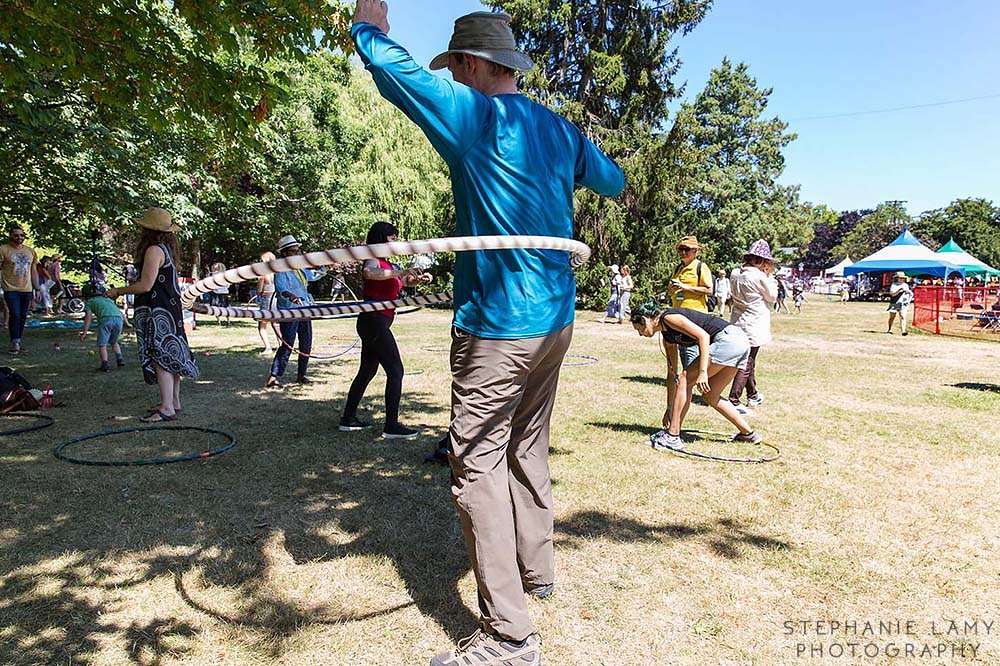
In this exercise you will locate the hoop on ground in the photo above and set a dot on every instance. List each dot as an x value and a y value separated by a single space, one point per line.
42 421
720 437
579 253
58 451
584 360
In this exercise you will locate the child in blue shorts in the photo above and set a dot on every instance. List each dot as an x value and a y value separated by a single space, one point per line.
109 324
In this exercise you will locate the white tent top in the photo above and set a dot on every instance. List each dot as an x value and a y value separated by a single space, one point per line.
907 254
838 270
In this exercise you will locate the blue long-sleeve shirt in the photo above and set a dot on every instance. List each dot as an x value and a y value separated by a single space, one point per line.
297 284
513 165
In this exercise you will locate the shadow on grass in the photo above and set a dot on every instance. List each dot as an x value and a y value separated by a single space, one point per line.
291 472
976 386
295 498
645 379
725 537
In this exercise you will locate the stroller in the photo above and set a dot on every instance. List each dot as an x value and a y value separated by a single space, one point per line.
70 298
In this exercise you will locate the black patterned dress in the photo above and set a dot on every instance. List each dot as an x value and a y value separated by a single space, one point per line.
159 326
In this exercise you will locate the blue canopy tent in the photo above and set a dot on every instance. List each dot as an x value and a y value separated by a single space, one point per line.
906 254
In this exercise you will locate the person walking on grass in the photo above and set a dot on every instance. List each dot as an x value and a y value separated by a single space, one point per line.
219 297
266 301
754 291
109 321
625 287
164 353
19 271
514 166
723 293
798 298
900 297
712 351
291 289
383 281
780 300
611 311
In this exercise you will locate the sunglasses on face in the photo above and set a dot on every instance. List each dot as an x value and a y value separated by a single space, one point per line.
685 250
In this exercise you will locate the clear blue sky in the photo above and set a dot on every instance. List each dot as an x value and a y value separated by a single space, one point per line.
833 58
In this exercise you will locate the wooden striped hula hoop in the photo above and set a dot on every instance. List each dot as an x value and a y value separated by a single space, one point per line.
579 254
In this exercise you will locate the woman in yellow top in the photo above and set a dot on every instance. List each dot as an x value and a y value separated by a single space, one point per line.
690 286
691 283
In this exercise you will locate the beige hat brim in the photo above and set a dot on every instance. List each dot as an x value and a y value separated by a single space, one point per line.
506 57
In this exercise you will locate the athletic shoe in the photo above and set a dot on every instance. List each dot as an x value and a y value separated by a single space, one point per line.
664 441
304 380
102 368
906 332
482 649
743 411
751 437
351 424
756 401
399 431
540 591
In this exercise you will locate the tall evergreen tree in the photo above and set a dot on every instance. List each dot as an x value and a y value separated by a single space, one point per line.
731 195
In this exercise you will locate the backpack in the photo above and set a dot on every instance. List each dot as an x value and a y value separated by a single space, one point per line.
712 301
15 393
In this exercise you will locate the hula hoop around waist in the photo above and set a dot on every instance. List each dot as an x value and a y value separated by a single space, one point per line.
579 253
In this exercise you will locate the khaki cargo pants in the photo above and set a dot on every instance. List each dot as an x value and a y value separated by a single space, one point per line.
502 394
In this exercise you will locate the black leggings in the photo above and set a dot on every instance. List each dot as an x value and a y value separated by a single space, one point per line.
378 347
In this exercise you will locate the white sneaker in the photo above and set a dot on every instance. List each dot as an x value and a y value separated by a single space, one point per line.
744 411
664 441
756 401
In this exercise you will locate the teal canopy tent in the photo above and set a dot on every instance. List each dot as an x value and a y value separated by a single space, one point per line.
952 253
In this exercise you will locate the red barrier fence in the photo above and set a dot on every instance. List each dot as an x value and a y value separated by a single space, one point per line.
963 311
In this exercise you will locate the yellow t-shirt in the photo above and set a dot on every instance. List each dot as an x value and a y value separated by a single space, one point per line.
16 267
689 275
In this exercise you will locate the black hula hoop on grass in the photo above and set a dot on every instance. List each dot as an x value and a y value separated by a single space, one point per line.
58 451
705 456
579 253
44 422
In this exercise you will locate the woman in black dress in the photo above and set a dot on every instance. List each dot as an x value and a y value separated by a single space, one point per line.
164 353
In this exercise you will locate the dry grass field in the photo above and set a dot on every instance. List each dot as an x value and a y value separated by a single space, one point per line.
307 546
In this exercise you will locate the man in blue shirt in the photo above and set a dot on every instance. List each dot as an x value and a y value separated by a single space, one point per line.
514 165
291 289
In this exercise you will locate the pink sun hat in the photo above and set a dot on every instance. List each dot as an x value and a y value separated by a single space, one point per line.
759 248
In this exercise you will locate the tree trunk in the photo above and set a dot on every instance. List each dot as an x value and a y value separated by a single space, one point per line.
196 259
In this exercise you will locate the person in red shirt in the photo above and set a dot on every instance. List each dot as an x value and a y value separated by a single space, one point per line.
382 282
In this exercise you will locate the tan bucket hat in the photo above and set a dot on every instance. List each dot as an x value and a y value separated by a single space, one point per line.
157 219
486 35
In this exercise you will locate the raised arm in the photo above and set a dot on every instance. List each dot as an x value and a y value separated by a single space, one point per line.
452 115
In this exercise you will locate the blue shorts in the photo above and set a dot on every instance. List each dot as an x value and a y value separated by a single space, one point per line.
108 332
731 347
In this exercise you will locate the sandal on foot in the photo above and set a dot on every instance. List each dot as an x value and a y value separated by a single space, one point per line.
157 417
